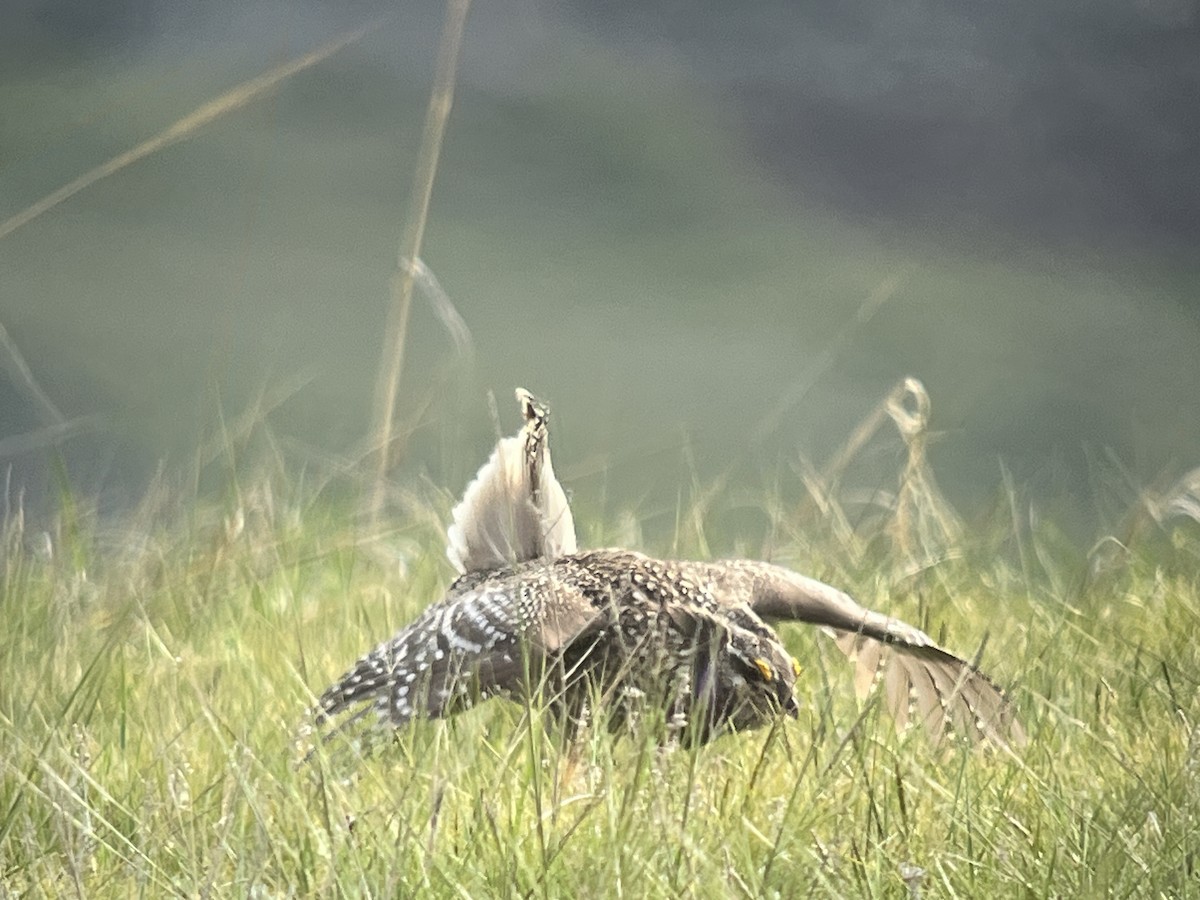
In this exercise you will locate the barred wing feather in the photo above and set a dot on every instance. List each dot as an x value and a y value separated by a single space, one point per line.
484 639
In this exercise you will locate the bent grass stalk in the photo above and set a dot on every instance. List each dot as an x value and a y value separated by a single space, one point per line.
396 335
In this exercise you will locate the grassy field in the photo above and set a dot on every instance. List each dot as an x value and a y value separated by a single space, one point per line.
155 671
153 676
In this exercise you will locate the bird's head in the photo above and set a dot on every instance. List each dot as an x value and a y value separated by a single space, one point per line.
746 683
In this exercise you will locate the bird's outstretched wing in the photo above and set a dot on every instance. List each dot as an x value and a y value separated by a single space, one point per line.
487 637
515 510
920 681
933 688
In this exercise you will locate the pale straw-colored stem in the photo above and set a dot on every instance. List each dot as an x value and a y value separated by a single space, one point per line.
185 127
392 364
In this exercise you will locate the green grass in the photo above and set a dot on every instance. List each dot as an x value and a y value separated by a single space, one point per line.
152 678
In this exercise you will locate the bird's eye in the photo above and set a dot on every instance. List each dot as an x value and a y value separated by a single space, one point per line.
764 669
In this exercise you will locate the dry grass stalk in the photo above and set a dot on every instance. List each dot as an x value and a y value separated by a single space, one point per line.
821 363
22 376
922 526
392 363
187 126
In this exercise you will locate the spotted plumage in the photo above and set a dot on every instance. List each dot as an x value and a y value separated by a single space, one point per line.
531 616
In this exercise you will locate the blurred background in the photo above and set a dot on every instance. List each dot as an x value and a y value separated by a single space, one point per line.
711 236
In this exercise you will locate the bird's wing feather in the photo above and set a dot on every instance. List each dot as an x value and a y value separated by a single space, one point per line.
947 693
478 642
944 693
514 510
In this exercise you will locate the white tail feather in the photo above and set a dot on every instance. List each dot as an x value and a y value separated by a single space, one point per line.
514 510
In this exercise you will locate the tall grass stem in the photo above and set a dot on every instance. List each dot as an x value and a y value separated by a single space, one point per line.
188 125
392 363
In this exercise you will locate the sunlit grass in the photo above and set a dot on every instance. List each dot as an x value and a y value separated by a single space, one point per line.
153 678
